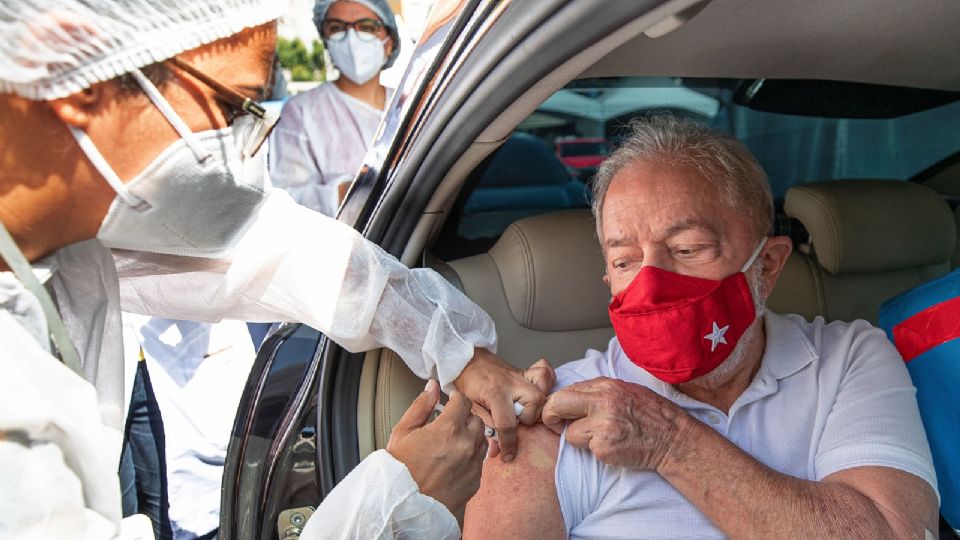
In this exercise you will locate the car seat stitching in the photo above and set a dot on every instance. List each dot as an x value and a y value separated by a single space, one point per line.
530 289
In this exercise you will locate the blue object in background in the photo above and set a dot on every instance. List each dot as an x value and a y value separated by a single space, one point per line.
936 374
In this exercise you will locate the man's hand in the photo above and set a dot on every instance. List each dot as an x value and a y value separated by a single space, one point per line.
444 457
623 424
494 385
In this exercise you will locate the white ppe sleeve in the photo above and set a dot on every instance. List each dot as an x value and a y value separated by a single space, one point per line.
379 500
58 462
294 264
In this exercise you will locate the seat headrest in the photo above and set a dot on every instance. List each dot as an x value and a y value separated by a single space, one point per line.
552 272
873 225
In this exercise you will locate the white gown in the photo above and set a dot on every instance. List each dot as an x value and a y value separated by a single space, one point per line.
292 264
319 143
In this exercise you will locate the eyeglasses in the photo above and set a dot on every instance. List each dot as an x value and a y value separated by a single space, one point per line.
336 29
255 133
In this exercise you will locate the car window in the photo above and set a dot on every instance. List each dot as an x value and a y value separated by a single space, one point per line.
579 148
549 161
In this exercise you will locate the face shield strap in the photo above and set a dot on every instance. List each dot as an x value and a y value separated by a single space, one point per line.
167 111
24 272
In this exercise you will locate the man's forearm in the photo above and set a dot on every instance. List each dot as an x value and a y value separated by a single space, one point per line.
747 499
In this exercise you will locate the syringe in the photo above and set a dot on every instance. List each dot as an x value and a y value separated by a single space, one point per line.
488 431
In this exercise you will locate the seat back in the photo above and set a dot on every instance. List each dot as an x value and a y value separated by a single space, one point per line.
869 240
542 282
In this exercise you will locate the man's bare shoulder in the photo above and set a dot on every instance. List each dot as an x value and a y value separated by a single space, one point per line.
519 499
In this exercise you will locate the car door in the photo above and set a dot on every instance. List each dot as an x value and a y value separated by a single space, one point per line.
295 435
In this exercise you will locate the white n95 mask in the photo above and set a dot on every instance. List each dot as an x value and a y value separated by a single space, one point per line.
196 198
356 59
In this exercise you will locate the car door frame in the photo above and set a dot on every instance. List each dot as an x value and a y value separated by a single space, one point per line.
480 69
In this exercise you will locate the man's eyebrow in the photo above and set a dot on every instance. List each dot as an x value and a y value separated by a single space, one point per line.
619 241
253 91
616 241
259 92
688 224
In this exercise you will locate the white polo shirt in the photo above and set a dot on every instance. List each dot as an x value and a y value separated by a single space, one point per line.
827 397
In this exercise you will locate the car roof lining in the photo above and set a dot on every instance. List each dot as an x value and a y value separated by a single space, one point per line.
908 45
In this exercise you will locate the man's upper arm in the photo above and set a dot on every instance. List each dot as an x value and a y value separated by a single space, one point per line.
519 499
907 502
874 441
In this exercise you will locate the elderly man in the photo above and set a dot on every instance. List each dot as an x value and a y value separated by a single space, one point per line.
707 416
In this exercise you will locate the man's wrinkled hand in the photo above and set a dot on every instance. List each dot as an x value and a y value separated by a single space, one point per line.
445 457
494 385
622 424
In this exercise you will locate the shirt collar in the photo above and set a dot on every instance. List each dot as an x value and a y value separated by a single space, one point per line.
787 349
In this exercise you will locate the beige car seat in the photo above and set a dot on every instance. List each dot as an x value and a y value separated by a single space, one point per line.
869 240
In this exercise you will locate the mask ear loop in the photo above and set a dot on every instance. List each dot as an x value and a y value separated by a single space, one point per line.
106 171
167 111
55 327
103 167
756 253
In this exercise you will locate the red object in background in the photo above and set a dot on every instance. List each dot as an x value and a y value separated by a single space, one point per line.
582 152
933 326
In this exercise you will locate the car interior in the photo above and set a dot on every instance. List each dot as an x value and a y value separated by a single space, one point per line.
861 150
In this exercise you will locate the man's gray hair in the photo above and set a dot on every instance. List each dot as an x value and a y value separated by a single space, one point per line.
720 158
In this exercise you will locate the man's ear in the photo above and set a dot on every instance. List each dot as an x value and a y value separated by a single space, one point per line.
78 109
774 258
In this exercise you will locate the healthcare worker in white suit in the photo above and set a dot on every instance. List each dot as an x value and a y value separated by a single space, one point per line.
324 133
130 176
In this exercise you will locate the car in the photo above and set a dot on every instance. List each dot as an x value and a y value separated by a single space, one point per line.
582 154
856 99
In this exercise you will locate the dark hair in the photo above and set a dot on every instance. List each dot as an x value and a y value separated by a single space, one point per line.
157 73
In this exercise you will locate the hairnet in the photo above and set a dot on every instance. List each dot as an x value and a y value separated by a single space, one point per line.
53 48
380 7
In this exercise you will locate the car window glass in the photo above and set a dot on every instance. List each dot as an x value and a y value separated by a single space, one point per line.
549 161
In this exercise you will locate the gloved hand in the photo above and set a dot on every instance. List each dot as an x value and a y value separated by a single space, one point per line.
445 456
494 385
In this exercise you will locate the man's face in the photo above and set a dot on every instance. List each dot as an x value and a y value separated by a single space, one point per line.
48 200
669 217
243 62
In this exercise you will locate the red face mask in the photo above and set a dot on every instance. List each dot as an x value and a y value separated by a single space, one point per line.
680 327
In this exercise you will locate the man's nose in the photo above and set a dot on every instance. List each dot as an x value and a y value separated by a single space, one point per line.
657 259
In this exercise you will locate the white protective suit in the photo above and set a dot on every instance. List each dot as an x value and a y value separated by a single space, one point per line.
320 143
197 373
292 264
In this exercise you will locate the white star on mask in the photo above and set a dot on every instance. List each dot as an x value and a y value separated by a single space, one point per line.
717 336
